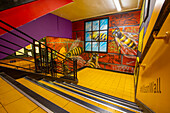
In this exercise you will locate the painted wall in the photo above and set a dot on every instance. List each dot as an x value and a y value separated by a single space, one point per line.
119 57
47 25
23 14
153 83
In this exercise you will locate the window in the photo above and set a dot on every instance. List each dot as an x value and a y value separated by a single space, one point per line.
96 35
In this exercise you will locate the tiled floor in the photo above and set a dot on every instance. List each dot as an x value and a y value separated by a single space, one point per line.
112 83
12 101
56 99
116 84
81 98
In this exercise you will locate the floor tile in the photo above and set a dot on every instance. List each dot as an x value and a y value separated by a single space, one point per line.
74 108
38 110
23 105
10 96
2 110
5 88
107 82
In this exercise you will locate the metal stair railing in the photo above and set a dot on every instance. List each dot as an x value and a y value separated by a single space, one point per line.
48 61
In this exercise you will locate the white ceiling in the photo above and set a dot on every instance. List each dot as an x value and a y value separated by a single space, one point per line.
81 9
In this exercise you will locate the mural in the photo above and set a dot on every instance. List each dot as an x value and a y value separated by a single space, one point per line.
122 42
68 47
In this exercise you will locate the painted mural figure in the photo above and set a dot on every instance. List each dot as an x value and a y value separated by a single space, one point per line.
74 52
93 62
125 40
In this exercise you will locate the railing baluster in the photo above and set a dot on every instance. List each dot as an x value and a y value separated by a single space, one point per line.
46 56
40 57
56 65
34 51
76 69
52 66
43 62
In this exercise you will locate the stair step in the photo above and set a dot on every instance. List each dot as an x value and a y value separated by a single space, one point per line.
83 98
59 98
100 93
88 97
34 97
100 97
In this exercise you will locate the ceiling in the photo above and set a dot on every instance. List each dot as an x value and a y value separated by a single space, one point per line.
81 9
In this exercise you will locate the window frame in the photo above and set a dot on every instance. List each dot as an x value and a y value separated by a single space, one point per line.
99 35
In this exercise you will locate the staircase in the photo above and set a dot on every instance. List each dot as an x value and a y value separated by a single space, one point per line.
48 79
53 96
43 61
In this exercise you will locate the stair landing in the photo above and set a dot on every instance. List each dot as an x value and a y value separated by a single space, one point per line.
116 84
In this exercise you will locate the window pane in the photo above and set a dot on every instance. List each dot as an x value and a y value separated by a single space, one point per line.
87 46
103 46
88 26
95 36
103 24
103 35
96 25
88 36
95 46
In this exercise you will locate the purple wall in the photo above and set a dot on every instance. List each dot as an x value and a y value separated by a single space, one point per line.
47 25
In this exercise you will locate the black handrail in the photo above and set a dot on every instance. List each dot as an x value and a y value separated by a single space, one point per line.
31 38
45 66
13 50
16 56
14 34
11 43
14 65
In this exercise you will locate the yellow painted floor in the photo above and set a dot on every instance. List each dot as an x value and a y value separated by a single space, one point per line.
81 98
56 99
112 83
12 101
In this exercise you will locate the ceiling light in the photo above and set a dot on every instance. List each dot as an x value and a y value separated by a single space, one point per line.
117 4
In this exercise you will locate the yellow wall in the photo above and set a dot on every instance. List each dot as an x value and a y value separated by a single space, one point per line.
157 62
155 13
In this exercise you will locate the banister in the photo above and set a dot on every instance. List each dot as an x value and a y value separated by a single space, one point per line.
68 65
32 38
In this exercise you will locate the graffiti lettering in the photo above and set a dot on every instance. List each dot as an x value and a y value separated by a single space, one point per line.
152 87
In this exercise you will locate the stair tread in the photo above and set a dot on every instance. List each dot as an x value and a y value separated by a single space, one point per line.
56 99
91 91
13 100
79 97
103 98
